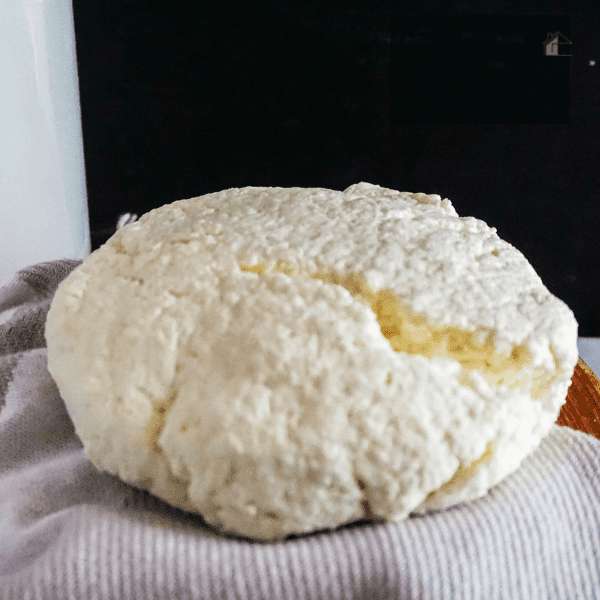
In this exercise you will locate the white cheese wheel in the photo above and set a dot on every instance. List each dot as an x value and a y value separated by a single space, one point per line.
285 360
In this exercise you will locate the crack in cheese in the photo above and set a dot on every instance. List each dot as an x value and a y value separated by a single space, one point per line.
411 333
464 472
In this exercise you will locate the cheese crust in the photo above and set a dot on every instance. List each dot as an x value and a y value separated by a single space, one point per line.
285 360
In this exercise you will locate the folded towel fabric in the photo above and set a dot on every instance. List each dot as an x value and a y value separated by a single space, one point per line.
69 531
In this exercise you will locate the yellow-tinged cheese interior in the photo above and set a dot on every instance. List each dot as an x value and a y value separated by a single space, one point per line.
465 471
157 421
411 333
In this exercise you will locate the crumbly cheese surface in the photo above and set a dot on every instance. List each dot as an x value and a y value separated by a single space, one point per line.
284 360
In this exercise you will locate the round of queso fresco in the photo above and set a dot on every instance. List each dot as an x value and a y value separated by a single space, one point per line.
288 360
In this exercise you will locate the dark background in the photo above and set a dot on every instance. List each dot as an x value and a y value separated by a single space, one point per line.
179 100
479 69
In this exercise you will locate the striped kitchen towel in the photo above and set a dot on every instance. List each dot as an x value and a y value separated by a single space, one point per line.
70 532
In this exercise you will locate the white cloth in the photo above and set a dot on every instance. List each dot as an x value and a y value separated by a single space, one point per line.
68 531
